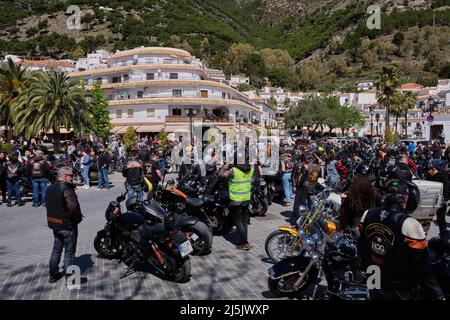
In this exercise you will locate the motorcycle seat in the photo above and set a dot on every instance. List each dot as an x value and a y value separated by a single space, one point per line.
194 202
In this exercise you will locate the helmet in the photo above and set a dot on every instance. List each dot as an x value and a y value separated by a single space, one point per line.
404 188
321 149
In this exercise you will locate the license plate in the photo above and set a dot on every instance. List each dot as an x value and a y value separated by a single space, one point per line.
194 237
185 248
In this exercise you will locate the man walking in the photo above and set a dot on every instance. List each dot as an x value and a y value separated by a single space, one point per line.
85 166
104 161
63 217
38 170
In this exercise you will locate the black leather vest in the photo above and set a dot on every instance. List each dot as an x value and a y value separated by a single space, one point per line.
57 214
384 245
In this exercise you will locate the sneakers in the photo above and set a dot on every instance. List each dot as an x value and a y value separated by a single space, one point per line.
55 277
86 187
21 204
35 205
9 205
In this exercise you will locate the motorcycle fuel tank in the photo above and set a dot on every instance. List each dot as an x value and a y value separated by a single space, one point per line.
131 220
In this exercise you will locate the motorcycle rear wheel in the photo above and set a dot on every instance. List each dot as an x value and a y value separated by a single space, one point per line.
259 207
203 244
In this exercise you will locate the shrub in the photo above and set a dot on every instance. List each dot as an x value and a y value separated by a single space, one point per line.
129 138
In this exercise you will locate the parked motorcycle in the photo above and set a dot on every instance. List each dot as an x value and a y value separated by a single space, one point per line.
325 253
259 204
195 230
127 237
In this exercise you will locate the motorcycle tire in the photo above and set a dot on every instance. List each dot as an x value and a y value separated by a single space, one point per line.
182 273
279 291
108 253
202 246
259 208
275 236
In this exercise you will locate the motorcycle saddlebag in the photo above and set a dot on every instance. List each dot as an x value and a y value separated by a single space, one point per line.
431 197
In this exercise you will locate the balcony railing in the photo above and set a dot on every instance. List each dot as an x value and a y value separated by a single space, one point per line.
185 119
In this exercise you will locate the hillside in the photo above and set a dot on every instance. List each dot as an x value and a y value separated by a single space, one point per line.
327 39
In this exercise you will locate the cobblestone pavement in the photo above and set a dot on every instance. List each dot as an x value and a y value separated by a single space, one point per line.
26 241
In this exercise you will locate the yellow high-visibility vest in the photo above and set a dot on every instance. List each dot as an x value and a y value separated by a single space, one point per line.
240 186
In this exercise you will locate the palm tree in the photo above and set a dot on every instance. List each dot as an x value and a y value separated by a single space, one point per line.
13 80
51 102
397 107
387 81
409 100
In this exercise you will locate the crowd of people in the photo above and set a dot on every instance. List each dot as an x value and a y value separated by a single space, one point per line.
351 167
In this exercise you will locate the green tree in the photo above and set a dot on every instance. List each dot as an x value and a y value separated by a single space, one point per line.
276 59
163 138
102 125
237 54
51 102
129 138
13 80
78 53
387 81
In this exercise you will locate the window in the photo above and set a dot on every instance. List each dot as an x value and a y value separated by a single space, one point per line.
150 76
176 93
204 93
150 112
116 80
224 95
119 114
99 79
174 76
167 61
140 94
176 112
130 113
126 77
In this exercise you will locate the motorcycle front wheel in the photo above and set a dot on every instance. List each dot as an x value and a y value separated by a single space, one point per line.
281 245
104 248
284 287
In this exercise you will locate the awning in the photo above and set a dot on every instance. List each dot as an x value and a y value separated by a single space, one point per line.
121 129
116 129
61 131
150 128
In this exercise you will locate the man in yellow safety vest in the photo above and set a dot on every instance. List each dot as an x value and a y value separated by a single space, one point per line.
240 191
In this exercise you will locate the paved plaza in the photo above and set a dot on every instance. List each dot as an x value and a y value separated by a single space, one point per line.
226 273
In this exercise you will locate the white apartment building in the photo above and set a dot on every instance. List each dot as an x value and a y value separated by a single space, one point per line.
153 88
43 64
96 60
236 80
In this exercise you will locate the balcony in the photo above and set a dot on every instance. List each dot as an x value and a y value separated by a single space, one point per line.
185 119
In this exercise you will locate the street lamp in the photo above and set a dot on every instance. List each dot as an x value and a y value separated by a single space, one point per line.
371 108
88 99
192 113
377 119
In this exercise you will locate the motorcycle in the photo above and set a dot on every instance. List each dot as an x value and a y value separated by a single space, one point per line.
287 241
325 253
259 204
195 230
127 237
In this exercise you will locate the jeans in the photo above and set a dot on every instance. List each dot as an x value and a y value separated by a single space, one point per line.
132 193
42 184
3 188
241 216
103 178
287 186
301 197
85 175
66 239
13 183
